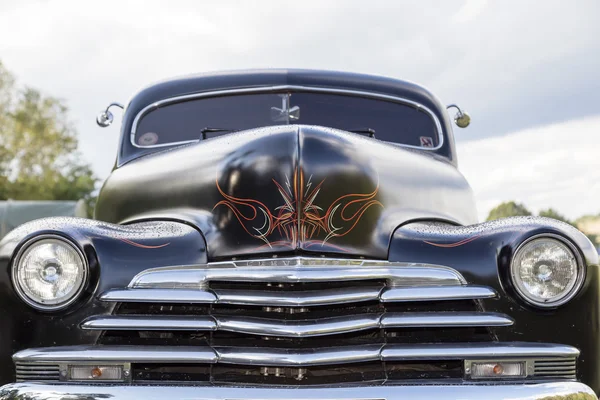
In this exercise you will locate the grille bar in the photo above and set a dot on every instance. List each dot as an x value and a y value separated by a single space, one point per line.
328 326
482 351
444 319
301 357
436 293
299 299
158 323
302 328
288 357
295 270
126 354
188 296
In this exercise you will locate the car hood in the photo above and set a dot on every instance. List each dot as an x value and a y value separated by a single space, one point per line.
289 188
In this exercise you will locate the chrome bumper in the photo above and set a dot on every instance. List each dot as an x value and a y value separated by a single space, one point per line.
555 391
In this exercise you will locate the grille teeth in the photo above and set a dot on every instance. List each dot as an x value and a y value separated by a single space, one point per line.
37 372
556 368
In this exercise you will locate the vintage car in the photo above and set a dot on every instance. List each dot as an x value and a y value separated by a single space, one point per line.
294 235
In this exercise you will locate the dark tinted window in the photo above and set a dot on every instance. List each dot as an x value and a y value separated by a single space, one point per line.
181 122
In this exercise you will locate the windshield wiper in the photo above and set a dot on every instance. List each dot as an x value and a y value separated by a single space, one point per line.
368 131
207 129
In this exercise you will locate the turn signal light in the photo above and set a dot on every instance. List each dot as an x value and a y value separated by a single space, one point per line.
498 370
114 373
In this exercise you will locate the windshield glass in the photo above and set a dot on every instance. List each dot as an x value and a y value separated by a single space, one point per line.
215 116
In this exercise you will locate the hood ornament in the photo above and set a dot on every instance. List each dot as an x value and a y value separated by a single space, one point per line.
462 119
105 118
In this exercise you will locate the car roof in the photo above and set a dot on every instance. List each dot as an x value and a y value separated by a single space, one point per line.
226 80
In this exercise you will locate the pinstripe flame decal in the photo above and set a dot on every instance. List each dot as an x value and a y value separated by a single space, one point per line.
299 218
143 246
456 244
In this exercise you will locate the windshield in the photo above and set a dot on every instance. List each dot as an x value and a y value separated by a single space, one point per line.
215 116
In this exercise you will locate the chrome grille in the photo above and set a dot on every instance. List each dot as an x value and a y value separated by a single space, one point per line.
377 364
302 320
565 368
37 372
286 298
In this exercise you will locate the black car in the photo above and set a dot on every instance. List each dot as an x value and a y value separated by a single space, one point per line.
294 234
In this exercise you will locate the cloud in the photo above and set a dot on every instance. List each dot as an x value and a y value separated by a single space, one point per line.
512 64
469 10
554 166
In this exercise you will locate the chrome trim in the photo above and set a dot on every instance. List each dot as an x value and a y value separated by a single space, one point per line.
444 319
37 372
554 368
495 350
576 286
298 357
294 270
159 296
294 357
276 89
273 327
517 391
151 323
298 299
105 118
17 286
300 328
115 354
436 293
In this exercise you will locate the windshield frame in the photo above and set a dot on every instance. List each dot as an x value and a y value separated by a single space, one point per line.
283 89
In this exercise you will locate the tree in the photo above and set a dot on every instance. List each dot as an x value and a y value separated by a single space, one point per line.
39 159
512 209
552 213
508 209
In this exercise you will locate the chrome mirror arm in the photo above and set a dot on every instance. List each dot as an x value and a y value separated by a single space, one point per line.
105 118
462 119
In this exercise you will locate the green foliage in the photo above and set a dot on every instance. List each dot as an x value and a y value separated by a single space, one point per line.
551 213
39 159
512 209
508 209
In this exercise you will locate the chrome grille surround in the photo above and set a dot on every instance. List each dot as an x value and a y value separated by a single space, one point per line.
295 270
403 282
271 300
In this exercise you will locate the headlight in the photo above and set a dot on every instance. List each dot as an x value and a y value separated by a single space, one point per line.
546 271
49 272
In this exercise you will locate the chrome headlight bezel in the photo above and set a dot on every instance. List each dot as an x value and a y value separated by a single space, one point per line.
32 302
569 294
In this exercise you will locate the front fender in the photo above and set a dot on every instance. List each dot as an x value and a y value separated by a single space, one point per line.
482 254
115 254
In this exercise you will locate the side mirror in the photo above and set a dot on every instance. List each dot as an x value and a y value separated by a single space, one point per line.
105 118
462 119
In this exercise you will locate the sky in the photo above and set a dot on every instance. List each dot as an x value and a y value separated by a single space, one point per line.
527 71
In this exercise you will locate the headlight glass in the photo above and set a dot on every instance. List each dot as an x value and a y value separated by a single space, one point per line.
546 271
49 272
